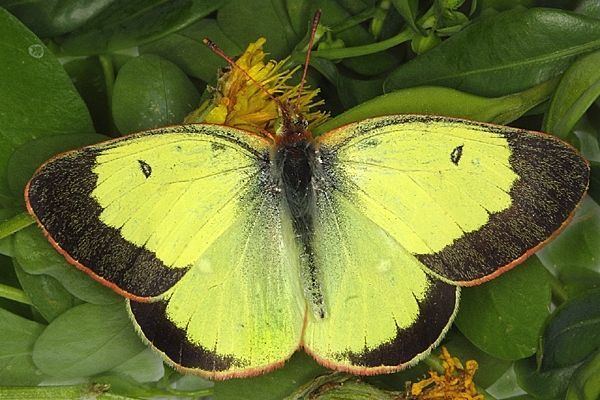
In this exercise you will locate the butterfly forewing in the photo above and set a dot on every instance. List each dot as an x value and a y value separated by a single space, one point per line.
468 200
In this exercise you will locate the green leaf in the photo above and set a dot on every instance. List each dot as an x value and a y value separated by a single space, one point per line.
36 256
575 254
186 50
17 336
245 21
573 331
504 317
585 384
29 156
576 92
276 385
503 53
590 8
131 23
354 91
151 92
88 77
9 284
48 296
549 385
38 98
86 340
444 101
49 18
147 366
408 9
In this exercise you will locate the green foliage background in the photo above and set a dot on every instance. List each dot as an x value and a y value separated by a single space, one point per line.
74 72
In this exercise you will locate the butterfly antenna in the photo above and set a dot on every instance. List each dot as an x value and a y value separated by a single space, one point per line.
218 51
313 32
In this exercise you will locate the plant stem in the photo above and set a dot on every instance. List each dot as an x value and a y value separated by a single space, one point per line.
109 74
72 392
348 52
15 224
559 294
12 293
195 393
354 20
434 363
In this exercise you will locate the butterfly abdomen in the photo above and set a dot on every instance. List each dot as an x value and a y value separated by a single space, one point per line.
294 165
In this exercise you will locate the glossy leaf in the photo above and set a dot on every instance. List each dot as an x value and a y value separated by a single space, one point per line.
38 98
444 101
147 366
86 340
48 296
504 317
574 255
238 20
408 9
272 386
36 256
585 384
492 57
90 81
186 50
151 92
589 7
127 24
549 385
49 18
502 5
573 332
577 90
29 156
17 336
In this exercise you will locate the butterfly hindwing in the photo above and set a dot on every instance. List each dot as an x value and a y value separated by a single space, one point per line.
468 200
383 311
240 309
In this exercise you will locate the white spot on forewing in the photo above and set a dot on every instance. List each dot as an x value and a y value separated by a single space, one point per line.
384 265
204 266
36 50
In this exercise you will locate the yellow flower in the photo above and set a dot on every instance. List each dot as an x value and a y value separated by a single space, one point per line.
456 383
239 102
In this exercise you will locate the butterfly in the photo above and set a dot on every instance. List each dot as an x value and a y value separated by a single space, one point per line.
235 250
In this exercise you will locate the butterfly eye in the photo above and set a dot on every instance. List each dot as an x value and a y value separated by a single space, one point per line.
146 168
456 154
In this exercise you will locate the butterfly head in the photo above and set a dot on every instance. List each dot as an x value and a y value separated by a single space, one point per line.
292 126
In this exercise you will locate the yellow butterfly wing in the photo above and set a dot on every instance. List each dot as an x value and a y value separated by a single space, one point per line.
188 219
467 199
409 206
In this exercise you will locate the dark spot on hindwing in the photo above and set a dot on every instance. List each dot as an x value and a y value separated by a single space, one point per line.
456 154
146 168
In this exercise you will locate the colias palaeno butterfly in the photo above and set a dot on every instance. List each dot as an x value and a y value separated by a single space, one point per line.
234 250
